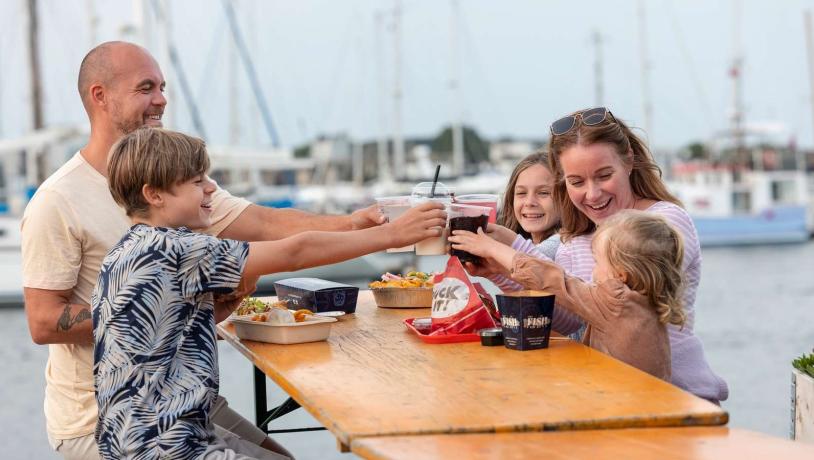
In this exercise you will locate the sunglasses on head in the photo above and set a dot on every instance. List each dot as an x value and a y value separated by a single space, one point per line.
589 117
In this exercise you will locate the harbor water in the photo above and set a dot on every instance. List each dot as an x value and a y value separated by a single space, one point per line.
755 313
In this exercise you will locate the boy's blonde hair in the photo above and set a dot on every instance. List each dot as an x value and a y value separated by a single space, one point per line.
650 252
156 157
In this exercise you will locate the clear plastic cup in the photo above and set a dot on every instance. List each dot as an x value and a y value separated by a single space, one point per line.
469 218
479 199
393 207
422 193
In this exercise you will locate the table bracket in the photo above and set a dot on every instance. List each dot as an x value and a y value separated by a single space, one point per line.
263 416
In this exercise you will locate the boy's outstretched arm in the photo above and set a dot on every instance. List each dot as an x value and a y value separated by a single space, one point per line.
311 249
260 223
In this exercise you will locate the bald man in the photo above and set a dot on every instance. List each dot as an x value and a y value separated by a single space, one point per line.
72 222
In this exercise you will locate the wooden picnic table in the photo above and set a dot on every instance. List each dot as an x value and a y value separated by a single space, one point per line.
373 377
684 443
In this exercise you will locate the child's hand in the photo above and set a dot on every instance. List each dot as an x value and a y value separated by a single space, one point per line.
424 221
485 268
501 234
478 244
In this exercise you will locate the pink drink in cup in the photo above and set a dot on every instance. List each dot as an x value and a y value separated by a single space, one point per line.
393 207
490 201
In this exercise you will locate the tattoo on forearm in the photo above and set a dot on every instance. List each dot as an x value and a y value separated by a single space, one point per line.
65 322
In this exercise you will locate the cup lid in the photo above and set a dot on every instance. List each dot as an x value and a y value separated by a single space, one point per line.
476 197
491 332
468 210
423 190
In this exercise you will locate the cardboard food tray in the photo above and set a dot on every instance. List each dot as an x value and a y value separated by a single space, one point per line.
436 339
393 297
314 329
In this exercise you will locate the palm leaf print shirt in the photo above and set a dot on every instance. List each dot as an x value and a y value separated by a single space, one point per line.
155 353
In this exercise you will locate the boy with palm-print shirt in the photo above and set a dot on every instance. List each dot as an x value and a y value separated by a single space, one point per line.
155 354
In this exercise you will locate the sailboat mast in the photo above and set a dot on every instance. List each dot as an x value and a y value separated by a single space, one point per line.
93 23
647 107
382 154
810 52
34 66
398 140
737 97
598 88
454 88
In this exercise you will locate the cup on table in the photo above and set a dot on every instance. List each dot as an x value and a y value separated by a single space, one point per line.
526 319
469 218
393 207
423 192
490 201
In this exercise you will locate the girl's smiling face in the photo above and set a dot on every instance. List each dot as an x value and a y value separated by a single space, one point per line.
534 206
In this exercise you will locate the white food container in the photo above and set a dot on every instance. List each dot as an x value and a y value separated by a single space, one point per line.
314 329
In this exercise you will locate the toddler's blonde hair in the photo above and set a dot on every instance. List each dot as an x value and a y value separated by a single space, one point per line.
650 252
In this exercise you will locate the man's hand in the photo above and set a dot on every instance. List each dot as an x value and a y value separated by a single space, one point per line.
225 304
366 217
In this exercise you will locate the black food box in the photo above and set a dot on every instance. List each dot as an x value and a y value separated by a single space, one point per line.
526 319
317 295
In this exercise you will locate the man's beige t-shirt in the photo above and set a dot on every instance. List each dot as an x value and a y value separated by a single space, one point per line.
67 230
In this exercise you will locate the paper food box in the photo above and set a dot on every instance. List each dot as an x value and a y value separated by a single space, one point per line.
317 295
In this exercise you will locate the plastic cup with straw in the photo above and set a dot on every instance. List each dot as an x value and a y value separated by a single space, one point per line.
438 192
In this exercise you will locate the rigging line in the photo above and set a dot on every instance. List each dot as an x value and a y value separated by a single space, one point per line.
685 54
249 67
338 67
212 56
469 51
197 122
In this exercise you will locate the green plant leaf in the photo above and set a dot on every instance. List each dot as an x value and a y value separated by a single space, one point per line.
805 364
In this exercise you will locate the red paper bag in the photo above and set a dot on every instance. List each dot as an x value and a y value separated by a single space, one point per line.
457 307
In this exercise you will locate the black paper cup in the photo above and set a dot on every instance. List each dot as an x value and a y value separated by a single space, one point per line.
526 319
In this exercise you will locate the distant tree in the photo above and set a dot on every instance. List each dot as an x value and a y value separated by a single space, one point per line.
476 150
303 151
696 151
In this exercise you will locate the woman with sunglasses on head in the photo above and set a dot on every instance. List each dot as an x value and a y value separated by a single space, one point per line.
600 168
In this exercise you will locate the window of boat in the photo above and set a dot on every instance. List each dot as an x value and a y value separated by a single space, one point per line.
783 191
741 201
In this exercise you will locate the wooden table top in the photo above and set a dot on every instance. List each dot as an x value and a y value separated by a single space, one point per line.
684 443
373 377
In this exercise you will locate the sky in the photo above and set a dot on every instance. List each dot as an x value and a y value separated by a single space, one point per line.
326 67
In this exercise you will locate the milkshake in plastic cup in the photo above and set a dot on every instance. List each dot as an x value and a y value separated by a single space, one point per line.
422 192
393 207
469 218
489 201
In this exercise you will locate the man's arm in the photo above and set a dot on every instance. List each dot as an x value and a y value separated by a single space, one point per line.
52 318
260 223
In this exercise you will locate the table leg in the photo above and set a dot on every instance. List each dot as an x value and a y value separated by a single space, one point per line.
260 408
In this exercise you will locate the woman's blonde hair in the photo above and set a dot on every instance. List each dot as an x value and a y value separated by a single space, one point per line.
645 176
507 217
156 157
649 252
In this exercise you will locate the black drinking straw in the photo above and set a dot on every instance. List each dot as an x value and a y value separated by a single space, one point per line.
435 181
